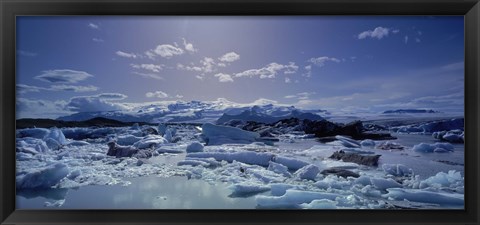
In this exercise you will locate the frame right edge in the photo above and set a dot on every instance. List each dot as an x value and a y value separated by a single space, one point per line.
472 111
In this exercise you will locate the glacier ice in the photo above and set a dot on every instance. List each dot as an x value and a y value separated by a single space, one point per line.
42 178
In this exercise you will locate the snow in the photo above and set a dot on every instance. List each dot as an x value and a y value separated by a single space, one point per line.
195 147
42 178
308 172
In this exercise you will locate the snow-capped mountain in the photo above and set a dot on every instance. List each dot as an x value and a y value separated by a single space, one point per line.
199 111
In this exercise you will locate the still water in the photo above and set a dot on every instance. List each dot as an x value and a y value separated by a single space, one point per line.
143 193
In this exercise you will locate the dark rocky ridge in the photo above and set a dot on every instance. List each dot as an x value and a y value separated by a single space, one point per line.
95 122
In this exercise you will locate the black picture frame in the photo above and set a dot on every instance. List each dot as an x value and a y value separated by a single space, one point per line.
12 8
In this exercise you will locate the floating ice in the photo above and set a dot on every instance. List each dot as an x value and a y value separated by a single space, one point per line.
56 135
308 172
38 133
127 139
191 162
243 189
291 163
279 168
348 142
383 184
452 179
195 147
367 143
320 204
217 135
31 145
437 147
43 178
443 199
253 158
293 198
150 141
398 170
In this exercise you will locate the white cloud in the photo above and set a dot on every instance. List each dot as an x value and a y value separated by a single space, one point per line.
178 96
406 39
151 67
36 108
229 57
156 94
95 103
417 40
287 80
26 53
73 88
126 54
98 40
300 96
269 71
149 75
150 54
168 51
320 61
94 26
395 31
63 76
378 33
23 88
208 65
188 46
224 77
308 71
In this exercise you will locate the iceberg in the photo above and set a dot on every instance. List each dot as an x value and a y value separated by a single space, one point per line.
43 178
195 147
308 172
217 135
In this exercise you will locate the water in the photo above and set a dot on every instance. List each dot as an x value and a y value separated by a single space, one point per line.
144 193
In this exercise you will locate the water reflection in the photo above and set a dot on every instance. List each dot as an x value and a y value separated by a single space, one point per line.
144 193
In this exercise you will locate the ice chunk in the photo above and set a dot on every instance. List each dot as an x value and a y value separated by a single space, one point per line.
161 129
31 145
348 142
217 135
38 133
150 141
367 143
308 172
293 198
191 162
437 147
363 180
78 143
43 178
320 204
195 147
291 163
253 158
451 179
443 199
127 139
57 203
244 189
168 135
281 188
57 135
383 184
279 168
398 170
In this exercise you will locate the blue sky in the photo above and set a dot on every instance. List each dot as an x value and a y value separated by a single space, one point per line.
339 63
